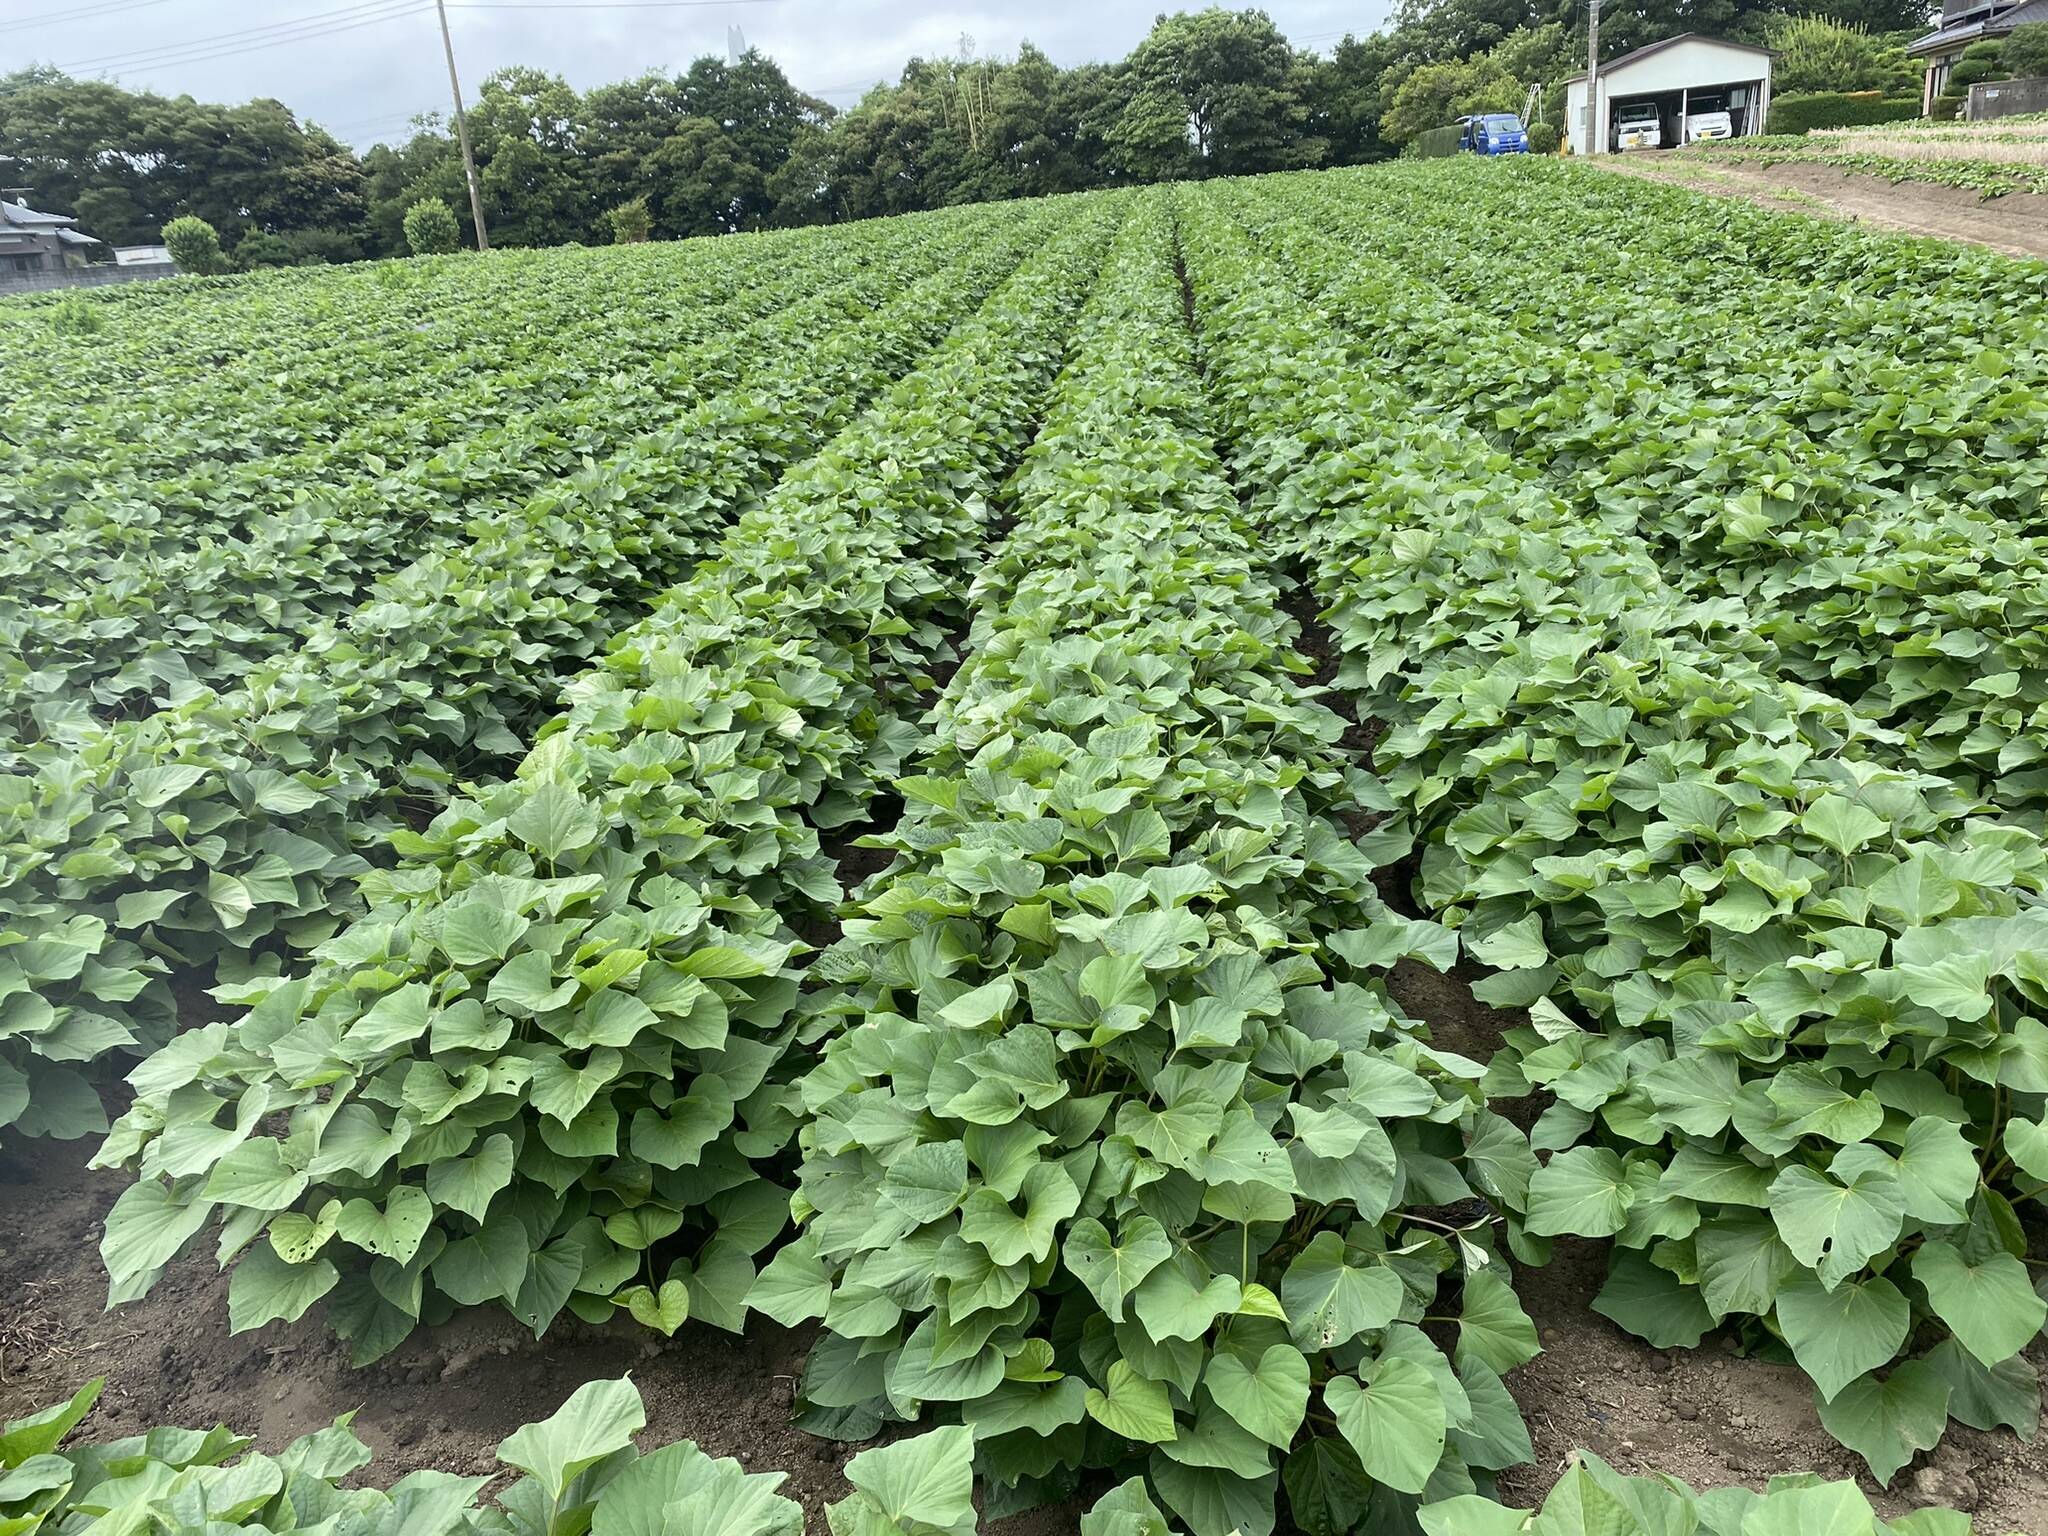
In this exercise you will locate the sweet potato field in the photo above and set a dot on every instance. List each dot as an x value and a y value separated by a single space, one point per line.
1059 866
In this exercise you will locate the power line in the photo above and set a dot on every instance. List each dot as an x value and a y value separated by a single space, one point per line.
82 13
192 44
258 47
413 8
377 122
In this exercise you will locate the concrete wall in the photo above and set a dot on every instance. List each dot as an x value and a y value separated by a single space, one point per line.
81 277
2007 98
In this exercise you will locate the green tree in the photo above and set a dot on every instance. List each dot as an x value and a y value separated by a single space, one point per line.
430 228
1147 139
526 130
704 148
1216 92
194 245
1434 94
2025 52
1497 80
1816 53
704 183
427 164
316 247
1035 125
631 222
761 115
126 163
1439 31
800 190
29 77
884 153
1877 17
1980 62
1346 101
623 125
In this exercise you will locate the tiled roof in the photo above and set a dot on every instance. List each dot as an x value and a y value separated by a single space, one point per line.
27 218
1992 22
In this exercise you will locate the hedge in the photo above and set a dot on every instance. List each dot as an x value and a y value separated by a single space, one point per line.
1838 109
1435 143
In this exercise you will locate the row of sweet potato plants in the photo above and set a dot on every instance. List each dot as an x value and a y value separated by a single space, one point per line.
1776 967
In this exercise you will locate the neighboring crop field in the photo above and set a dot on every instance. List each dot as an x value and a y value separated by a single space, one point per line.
1049 861
1993 158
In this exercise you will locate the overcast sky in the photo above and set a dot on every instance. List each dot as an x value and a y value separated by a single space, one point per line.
362 69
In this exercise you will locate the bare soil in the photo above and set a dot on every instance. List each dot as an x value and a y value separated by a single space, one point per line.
2014 225
1713 1418
443 1399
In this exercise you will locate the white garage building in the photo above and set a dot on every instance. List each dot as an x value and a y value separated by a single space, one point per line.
1681 77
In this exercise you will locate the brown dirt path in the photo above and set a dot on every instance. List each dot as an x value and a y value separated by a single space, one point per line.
2014 225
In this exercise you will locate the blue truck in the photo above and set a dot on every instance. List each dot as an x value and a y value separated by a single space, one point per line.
1493 133
1483 133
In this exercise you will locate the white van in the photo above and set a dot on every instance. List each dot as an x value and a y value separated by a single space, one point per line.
1637 125
1702 127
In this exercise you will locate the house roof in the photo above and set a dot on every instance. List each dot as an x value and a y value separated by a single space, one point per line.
1671 42
27 218
75 237
1990 21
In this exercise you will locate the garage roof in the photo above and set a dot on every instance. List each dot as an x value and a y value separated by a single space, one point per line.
1670 42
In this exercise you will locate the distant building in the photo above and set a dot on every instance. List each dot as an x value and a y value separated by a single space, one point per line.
1964 22
40 242
141 255
1677 91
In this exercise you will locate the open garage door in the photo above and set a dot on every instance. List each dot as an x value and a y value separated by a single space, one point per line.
1666 119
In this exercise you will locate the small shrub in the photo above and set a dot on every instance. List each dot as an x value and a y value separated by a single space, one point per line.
1980 62
631 222
73 315
1543 138
262 249
316 247
194 245
430 228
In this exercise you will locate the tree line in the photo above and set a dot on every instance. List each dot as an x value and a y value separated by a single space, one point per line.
731 146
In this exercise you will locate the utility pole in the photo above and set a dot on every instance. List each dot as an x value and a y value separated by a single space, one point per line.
1596 141
476 193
